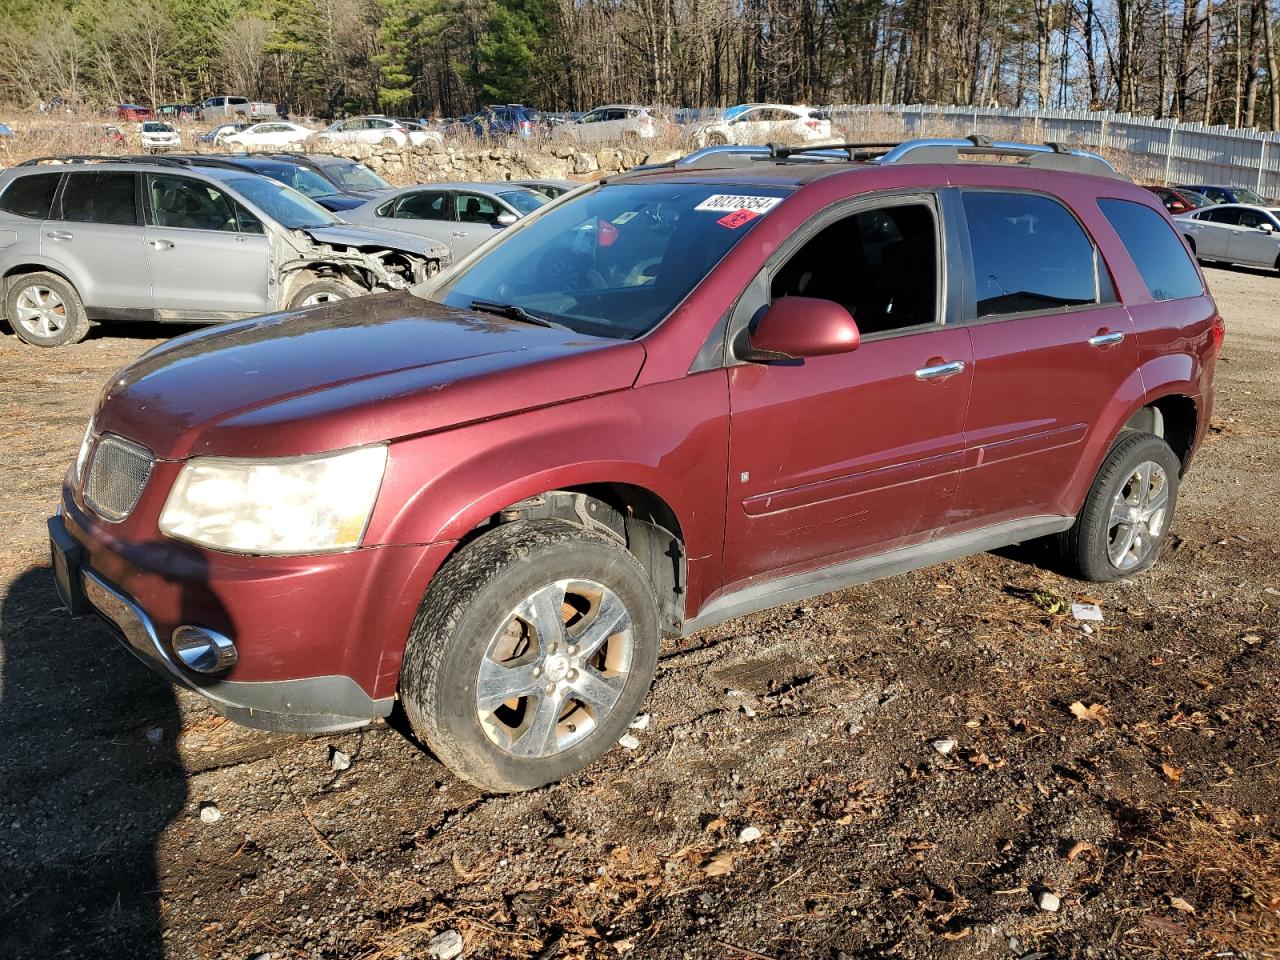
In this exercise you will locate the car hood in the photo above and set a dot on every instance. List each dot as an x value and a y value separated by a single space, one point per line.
353 235
348 373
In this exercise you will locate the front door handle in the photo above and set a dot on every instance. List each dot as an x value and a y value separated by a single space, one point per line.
458 233
1106 339
161 244
940 371
60 235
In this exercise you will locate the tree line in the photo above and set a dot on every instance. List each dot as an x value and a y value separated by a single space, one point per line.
1213 61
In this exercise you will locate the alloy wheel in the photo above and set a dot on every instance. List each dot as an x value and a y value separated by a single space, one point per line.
1138 515
41 311
555 668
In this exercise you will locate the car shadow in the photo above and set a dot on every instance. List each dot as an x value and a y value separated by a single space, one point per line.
89 778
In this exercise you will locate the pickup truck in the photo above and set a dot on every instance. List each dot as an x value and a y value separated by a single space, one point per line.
223 106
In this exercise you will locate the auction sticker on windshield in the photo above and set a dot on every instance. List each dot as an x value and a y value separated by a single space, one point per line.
728 203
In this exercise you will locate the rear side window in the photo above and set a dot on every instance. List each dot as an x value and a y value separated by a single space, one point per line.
1160 256
100 198
31 196
1029 254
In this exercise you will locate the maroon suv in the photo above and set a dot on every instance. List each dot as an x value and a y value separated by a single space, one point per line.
674 397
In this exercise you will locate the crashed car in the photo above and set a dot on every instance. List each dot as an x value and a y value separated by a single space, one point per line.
87 240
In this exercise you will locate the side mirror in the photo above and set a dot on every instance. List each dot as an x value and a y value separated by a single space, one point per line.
1266 228
797 327
505 219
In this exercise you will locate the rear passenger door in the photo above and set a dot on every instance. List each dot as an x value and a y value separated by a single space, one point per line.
840 456
1051 348
95 232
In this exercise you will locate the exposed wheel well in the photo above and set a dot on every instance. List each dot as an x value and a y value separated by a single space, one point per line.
1191 241
1173 418
25 268
637 518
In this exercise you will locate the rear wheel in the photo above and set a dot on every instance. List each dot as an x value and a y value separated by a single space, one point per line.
717 140
45 310
1127 513
530 655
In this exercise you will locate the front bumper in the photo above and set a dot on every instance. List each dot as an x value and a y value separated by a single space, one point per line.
319 639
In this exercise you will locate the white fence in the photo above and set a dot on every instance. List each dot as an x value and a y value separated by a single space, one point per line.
1159 151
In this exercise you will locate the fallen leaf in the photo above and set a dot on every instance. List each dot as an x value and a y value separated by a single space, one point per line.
719 823
1173 773
1095 712
720 865
1179 904
1079 848
957 934
624 946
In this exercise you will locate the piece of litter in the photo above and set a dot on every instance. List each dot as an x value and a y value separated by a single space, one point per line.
746 710
944 746
749 835
338 760
641 722
1049 902
446 945
628 742
209 812
1089 612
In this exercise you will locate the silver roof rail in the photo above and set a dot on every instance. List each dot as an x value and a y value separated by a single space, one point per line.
1042 156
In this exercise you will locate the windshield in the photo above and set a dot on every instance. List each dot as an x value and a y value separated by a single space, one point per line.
356 176
616 260
1245 195
284 205
306 182
524 201
156 128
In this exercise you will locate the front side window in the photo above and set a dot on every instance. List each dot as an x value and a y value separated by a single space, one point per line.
31 196
189 204
879 264
614 260
474 208
1156 250
99 197
1029 254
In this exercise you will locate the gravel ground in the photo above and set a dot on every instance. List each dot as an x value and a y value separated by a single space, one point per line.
1126 775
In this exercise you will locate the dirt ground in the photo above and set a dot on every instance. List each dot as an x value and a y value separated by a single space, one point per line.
1129 771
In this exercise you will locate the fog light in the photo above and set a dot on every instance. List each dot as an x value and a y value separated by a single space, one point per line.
204 651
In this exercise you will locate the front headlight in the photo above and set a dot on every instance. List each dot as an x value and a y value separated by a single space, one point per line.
285 506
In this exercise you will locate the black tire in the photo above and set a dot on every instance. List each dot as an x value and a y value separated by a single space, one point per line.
321 291
471 599
717 140
1088 546
75 325
1191 242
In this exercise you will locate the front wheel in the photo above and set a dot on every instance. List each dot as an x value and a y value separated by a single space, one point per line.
530 655
1127 513
316 292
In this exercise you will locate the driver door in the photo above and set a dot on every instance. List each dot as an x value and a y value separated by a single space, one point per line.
1252 242
208 254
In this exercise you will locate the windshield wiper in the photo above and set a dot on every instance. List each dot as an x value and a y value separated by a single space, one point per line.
514 312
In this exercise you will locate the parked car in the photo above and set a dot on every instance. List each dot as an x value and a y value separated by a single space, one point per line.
551 189
1180 201
274 133
505 120
1234 233
383 131
6 130
209 243
180 111
157 136
1223 193
221 131
765 123
225 106
286 169
462 215
349 176
134 112
487 500
615 122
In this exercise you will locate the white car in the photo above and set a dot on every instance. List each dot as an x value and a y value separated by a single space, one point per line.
765 123
1234 233
380 130
615 122
156 135
273 133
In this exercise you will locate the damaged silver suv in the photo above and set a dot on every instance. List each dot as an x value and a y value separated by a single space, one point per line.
86 239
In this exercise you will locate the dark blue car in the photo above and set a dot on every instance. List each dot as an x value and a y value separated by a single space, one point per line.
336 183
505 120
1221 193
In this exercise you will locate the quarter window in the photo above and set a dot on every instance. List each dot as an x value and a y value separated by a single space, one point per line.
1156 250
31 196
100 198
1029 254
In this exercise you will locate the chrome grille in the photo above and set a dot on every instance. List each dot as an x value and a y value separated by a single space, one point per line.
118 471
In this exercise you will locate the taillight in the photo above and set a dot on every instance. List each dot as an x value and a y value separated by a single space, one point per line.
813 124
526 125
646 121
1219 332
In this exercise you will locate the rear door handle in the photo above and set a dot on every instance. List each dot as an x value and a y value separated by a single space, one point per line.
60 235
161 244
940 370
1106 339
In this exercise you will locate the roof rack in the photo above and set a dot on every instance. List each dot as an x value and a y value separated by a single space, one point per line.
1047 156
101 158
